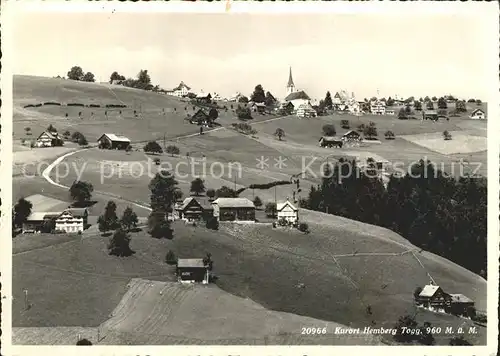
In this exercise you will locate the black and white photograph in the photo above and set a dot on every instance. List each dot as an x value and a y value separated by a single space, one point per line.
224 174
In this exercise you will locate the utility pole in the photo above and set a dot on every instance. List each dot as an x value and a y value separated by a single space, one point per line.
275 202
25 299
234 183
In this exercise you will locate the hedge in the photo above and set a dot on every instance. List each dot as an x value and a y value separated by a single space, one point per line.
269 185
116 106
76 104
94 106
52 103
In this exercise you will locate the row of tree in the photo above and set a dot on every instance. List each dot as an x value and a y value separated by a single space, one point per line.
439 213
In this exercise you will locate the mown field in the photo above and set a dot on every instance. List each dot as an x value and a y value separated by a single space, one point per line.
254 262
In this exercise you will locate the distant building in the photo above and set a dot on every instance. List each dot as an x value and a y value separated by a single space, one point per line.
294 96
194 208
377 107
354 107
306 110
341 99
330 141
216 96
478 114
430 115
192 270
49 139
117 82
200 117
286 108
113 142
390 112
433 296
351 136
181 90
235 97
71 220
234 209
257 107
288 212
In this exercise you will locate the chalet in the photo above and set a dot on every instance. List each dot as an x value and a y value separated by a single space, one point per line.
351 136
306 110
297 98
194 209
433 296
204 97
286 107
377 107
478 114
330 141
49 139
354 107
192 270
216 96
287 211
113 142
257 107
233 209
200 117
181 90
71 220
341 98
430 115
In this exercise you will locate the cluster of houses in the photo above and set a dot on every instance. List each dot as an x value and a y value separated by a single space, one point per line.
433 297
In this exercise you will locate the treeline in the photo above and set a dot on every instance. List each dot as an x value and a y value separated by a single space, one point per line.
441 214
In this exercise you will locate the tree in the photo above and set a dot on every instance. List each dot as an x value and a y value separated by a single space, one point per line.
119 245
408 322
418 105
434 98
345 124
212 223
211 193
389 135
270 209
197 186
244 113
389 102
213 114
82 141
329 130
162 187
28 131
243 99
460 106
171 258
173 150
143 80
402 114
328 103
115 76
429 105
129 219
159 226
279 133
459 341
270 99
81 191
88 77
225 192
304 227
22 210
108 220
442 103
83 342
178 195
370 130
75 73
51 128
416 292
153 147
408 110
446 135
478 102
67 134
207 261
257 202
258 95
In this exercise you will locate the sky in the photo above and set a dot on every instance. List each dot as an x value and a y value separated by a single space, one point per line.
396 54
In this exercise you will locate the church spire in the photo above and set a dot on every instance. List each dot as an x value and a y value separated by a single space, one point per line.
290 80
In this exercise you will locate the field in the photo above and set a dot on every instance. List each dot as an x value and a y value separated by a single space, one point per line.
345 265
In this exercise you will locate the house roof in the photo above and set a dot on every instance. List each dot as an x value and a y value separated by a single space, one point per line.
202 202
430 112
114 137
41 215
328 138
234 203
475 111
428 291
52 135
181 84
78 212
280 206
297 95
460 298
190 262
350 132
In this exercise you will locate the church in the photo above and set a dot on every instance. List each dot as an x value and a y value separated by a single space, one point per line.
294 96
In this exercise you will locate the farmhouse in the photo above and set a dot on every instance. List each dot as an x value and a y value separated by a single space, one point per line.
286 107
287 211
181 90
235 97
433 296
204 97
113 142
390 112
233 209
430 115
377 107
192 270
351 136
71 220
330 141
194 209
306 110
49 139
460 304
297 98
200 117
478 114
257 107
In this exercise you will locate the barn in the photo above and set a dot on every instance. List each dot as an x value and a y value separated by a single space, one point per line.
192 270
234 209
330 141
113 142
194 209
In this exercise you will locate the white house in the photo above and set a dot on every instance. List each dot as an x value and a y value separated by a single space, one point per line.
181 90
72 220
287 211
216 96
49 139
377 107
478 114
306 110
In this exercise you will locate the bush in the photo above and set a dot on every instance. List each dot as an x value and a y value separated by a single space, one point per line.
212 223
172 150
244 128
37 105
303 227
153 147
76 104
283 222
94 106
329 130
52 103
270 210
116 106
171 258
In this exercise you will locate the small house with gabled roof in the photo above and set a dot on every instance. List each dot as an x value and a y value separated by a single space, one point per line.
234 209
49 139
287 211
113 142
192 270
477 114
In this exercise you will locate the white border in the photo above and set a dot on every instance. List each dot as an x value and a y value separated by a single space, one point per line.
487 10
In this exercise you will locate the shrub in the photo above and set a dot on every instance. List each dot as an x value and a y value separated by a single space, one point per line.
303 227
329 130
212 223
389 135
153 147
51 128
52 103
244 128
345 124
270 210
76 104
257 202
37 105
116 106
283 222
171 258
172 150
94 105
82 141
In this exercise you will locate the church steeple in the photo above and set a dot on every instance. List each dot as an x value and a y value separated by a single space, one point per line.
290 87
